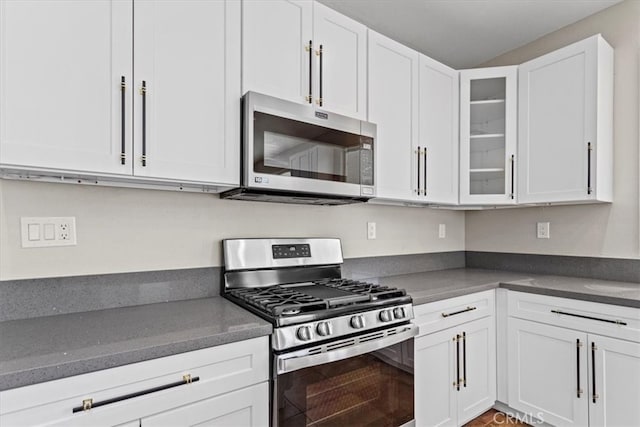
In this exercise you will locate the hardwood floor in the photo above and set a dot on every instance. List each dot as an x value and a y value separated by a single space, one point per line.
494 418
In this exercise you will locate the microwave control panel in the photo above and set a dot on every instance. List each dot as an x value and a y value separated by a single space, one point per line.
291 251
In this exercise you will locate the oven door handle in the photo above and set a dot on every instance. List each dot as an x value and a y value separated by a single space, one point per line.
290 362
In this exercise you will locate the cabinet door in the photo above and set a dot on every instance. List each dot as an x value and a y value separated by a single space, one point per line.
478 360
61 103
439 97
548 372
616 365
187 56
435 378
341 76
565 109
247 407
488 108
393 107
275 56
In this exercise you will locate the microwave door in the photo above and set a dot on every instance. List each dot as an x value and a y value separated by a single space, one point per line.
287 154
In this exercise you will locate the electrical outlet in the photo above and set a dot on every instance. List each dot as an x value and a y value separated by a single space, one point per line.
371 230
442 231
543 230
48 231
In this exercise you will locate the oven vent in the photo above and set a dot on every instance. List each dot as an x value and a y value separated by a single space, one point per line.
340 344
316 350
392 331
372 337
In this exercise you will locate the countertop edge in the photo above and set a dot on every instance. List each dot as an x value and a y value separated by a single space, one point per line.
73 368
600 299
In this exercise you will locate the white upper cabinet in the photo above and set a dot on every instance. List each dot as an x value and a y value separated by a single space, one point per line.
340 44
393 107
187 118
305 52
488 122
61 102
565 124
437 176
276 59
70 102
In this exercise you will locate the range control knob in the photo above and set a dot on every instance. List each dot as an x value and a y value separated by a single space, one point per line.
386 316
324 329
304 333
357 322
399 313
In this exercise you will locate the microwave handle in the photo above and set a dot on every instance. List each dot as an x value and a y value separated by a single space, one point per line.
285 364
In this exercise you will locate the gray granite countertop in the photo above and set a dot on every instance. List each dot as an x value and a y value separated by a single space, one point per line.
437 285
52 347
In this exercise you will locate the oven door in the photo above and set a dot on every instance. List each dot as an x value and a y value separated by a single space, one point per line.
293 147
364 380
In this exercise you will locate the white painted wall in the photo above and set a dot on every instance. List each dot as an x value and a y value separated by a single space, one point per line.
590 230
125 230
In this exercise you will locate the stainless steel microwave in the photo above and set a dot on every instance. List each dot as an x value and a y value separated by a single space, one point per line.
299 154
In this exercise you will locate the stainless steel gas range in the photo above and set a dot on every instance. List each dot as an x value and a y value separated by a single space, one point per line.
342 350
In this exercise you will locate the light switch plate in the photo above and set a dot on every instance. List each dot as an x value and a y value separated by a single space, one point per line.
51 231
442 231
543 230
371 230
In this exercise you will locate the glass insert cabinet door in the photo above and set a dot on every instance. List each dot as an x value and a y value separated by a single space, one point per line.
286 147
488 114
374 389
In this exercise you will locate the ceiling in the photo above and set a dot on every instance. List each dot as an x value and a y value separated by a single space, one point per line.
466 33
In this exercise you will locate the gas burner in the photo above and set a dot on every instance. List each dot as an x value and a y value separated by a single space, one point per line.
291 311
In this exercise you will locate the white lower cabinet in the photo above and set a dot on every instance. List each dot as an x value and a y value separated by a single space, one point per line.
616 370
243 408
547 368
455 369
573 362
225 385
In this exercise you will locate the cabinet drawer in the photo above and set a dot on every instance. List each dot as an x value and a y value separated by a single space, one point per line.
219 370
605 319
440 315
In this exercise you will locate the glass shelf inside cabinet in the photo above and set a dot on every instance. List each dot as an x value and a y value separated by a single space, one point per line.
487 181
487 136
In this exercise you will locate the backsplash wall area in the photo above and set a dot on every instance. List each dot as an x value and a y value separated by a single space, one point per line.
128 230
609 230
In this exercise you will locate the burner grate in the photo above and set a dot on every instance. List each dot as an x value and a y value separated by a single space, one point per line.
290 300
375 292
280 301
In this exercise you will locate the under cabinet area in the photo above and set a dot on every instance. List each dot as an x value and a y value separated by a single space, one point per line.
488 123
565 139
104 110
305 52
223 385
455 368
573 362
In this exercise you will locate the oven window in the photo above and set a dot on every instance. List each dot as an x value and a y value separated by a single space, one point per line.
292 148
374 389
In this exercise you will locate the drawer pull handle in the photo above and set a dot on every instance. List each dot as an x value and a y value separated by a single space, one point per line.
617 322
458 312
88 404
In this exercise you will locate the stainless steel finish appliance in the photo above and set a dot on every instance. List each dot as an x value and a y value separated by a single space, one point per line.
299 154
342 349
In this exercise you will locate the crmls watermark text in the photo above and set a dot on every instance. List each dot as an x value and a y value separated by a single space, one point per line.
510 418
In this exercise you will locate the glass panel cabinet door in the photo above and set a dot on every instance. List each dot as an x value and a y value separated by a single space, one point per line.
488 108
